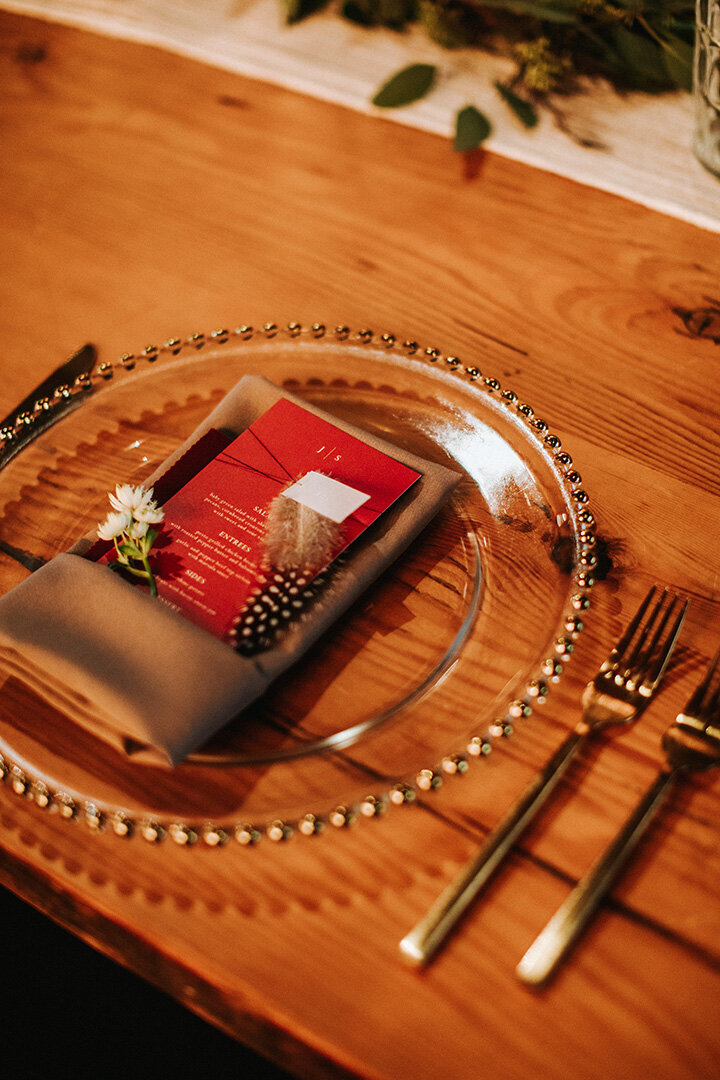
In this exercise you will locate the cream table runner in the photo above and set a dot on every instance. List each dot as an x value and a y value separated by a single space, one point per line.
643 142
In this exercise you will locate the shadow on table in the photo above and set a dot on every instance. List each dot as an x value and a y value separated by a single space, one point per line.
69 1012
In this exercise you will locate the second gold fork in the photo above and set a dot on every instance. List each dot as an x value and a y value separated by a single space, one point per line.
619 693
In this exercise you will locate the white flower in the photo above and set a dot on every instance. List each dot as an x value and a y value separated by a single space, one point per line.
123 499
151 514
131 498
138 530
135 511
114 525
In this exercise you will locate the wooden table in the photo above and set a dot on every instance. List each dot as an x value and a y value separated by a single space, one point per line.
144 196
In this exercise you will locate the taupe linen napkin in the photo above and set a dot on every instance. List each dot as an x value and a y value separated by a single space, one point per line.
135 672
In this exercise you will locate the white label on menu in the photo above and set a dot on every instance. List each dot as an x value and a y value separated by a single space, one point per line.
326 496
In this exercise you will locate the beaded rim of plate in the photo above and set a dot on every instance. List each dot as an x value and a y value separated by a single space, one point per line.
404 793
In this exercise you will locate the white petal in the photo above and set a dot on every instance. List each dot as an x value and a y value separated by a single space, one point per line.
123 499
114 525
151 513
138 497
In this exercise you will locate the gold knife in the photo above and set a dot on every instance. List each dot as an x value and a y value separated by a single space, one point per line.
42 407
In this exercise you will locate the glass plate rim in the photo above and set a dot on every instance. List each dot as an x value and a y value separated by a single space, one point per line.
67 397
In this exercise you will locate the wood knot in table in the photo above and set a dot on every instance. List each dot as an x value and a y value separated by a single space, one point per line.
702 322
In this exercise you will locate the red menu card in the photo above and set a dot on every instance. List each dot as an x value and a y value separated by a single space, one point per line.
212 538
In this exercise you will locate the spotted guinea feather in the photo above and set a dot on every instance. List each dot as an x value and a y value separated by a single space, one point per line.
277 601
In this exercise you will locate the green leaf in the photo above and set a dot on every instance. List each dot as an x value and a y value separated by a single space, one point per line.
523 109
392 13
471 128
567 12
130 550
679 62
296 10
451 25
410 84
644 58
358 13
543 12
396 13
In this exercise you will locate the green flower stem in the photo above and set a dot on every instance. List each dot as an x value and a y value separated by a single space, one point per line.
150 576
146 573
121 557
135 570
653 33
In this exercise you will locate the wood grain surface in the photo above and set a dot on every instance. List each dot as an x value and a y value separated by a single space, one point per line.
144 197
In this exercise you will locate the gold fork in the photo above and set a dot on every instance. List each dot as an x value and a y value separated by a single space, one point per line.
617 695
691 743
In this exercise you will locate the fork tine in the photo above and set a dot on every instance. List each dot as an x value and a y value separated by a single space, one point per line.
619 649
658 668
644 654
694 706
631 662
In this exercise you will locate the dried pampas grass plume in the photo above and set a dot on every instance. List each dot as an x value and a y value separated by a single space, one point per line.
298 537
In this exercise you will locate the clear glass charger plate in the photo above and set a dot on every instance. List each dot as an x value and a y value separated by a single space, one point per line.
460 637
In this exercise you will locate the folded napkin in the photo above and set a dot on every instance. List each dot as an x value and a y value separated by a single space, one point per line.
138 674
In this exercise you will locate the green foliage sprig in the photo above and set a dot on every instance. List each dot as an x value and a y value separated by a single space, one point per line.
644 45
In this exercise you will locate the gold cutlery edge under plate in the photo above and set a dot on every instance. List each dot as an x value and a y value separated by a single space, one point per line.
619 693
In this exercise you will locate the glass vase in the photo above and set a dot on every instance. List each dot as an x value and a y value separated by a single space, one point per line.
706 84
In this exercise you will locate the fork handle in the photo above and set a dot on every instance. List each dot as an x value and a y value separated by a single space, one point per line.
425 939
544 955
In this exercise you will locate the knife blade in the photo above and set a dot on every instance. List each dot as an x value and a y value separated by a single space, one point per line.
80 363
